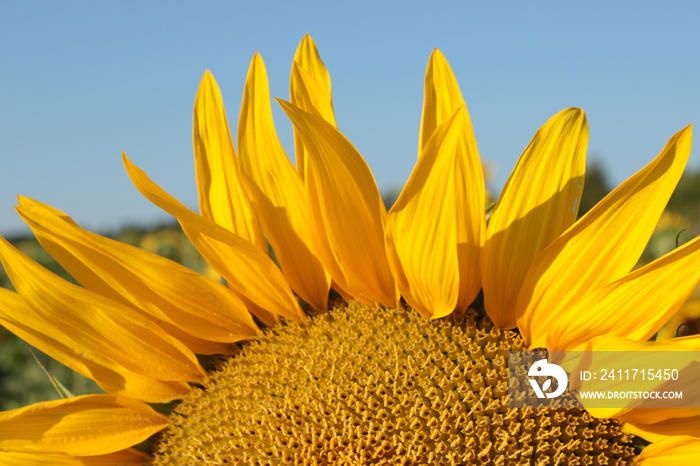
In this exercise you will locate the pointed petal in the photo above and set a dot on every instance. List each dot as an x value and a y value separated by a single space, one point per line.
102 329
159 287
310 90
32 327
604 244
80 426
625 307
308 58
678 451
539 201
129 457
441 98
221 194
247 270
346 210
277 191
440 209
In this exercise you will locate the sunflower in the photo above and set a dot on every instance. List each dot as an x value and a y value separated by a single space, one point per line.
349 334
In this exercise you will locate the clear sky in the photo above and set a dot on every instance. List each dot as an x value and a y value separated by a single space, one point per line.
82 81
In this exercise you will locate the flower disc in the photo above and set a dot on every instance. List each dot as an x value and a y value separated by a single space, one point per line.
360 385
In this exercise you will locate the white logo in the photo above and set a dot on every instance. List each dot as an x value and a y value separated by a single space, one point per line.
543 369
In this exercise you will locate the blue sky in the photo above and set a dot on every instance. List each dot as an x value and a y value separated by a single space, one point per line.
82 81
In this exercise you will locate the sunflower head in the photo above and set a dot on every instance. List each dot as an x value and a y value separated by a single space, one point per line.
409 363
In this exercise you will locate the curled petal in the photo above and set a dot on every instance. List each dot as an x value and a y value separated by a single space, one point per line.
278 191
310 90
347 214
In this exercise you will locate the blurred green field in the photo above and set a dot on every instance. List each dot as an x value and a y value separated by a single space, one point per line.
23 380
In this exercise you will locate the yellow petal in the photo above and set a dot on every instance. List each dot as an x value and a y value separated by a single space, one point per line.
692 342
159 287
625 307
689 311
310 90
222 197
277 191
347 213
32 327
441 98
440 209
248 271
129 457
198 345
98 328
81 426
308 58
678 420
603 245
676 451
539 201
681 420
668 355
671 427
